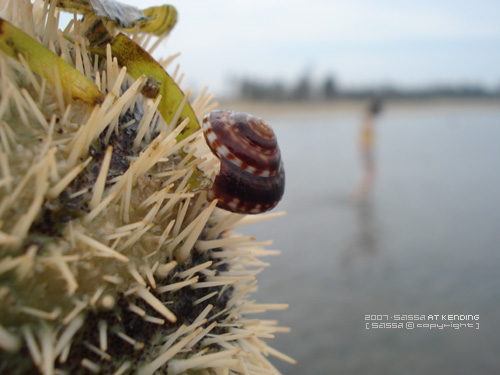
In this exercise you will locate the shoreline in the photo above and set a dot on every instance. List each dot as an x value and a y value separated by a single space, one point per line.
262 108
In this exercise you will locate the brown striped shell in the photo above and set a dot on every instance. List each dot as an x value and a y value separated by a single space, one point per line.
251 178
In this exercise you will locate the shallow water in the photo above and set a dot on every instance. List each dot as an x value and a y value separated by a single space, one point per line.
426 240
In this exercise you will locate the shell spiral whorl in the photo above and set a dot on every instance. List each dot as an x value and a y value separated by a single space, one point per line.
251 178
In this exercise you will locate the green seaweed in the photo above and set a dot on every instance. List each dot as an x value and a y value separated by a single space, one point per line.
138 63
157 20
14 42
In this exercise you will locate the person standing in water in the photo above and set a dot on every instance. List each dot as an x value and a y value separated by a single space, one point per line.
366 145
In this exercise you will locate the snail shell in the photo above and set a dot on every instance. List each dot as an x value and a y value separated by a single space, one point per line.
251 178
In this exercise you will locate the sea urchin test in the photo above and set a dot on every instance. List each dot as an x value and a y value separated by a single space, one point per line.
114 257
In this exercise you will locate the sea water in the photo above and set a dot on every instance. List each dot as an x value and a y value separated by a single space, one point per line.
424 241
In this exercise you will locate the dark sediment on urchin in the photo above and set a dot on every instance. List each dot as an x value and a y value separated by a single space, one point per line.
121 319
55 214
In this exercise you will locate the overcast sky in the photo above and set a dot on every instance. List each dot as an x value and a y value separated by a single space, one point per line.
360 42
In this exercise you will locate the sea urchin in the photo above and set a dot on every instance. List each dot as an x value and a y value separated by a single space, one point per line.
112 260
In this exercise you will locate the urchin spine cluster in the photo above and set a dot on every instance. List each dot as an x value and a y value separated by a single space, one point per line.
109 262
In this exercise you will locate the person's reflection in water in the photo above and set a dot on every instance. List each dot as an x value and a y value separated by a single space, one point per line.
367 234
366 146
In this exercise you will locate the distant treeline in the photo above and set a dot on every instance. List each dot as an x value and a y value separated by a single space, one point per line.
306 90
